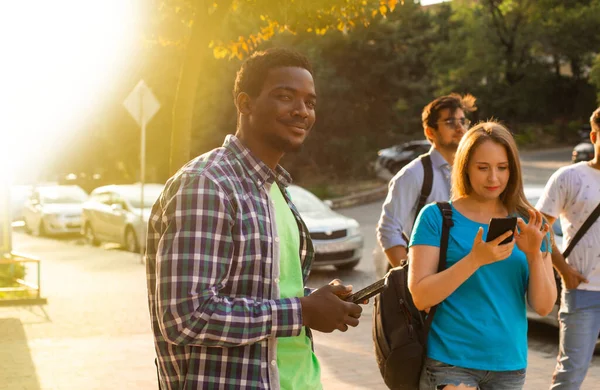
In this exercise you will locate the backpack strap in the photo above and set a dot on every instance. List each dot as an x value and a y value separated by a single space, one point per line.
427 183
425 187
581 232
447 223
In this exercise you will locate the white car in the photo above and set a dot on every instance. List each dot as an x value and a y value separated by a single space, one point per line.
114 213
337 239
54 209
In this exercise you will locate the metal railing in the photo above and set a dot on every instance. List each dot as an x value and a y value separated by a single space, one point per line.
35 297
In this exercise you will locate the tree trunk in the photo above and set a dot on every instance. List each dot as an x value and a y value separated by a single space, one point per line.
203 31
576 69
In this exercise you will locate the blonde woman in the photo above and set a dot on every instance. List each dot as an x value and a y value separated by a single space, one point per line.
478 338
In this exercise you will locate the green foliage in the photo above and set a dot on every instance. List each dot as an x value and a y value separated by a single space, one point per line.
595 76
372 83
10 272
531 64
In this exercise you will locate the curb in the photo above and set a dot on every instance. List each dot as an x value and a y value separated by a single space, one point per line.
359 198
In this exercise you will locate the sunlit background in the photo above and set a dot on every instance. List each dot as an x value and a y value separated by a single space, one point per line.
64 58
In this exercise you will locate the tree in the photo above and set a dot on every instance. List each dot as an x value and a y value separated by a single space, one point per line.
508 53
215 25
595 76
568 32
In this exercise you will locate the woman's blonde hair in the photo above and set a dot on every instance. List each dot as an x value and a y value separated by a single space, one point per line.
513 196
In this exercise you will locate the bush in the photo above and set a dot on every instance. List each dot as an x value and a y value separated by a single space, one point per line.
10 272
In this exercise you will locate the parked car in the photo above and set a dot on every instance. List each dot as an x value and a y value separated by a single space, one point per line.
337 239
533 194
391 160
114 213
583 152
19 194
54 209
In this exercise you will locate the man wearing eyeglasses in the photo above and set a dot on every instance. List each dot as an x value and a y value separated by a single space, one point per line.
444 123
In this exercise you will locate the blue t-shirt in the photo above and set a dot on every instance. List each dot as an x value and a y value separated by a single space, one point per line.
482 324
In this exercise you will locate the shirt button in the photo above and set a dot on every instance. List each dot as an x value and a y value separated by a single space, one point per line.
276 239
273 362
276 280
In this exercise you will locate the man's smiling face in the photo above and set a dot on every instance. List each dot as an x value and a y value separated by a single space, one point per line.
283 113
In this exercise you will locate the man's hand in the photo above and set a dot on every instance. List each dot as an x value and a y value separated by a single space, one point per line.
572 277
325 310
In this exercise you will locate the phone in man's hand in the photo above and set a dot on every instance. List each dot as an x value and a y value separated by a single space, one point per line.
368 292
499 226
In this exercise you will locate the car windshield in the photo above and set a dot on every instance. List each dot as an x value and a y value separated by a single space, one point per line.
305 201
62 195
150 195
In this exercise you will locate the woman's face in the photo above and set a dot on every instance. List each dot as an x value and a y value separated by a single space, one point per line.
488 170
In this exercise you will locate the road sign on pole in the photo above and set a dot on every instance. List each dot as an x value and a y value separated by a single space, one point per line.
142 105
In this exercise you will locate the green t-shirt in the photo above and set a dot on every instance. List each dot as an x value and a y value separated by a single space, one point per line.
298 365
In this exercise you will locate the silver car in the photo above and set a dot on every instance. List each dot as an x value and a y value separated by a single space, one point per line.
337 239
390 160
114 213
19 194
533 194
54 209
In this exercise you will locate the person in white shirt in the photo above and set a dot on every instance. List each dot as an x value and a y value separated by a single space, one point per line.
571 194
444 124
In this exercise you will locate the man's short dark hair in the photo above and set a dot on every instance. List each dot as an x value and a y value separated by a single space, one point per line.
595 120
454 101
253 73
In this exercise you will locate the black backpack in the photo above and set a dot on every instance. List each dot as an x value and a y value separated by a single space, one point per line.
425 187
399 328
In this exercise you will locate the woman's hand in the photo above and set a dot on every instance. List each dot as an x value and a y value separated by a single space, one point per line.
530 235
484 253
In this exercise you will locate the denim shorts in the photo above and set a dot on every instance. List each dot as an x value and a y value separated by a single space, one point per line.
436 375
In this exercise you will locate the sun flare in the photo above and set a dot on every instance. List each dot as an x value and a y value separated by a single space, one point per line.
66 55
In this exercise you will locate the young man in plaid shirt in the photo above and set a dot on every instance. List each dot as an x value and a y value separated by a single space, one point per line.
228 255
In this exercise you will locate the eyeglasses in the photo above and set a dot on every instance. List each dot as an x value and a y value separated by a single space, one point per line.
453 123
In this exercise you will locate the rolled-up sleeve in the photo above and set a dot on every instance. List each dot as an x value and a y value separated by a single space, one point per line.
398 209
193 262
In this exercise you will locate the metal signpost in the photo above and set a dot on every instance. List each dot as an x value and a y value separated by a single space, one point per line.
20 291
5 220
142 105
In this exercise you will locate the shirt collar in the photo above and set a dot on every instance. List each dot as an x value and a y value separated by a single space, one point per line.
258 171
437 160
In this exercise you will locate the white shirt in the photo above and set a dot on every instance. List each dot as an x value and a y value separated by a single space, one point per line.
400 206
572 193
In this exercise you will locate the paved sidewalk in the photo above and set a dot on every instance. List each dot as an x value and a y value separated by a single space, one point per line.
94 333
348 362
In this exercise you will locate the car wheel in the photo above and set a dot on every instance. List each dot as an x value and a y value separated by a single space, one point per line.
131 241
347 266
90 236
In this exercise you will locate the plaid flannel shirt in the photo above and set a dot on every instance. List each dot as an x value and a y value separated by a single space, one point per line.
214 306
